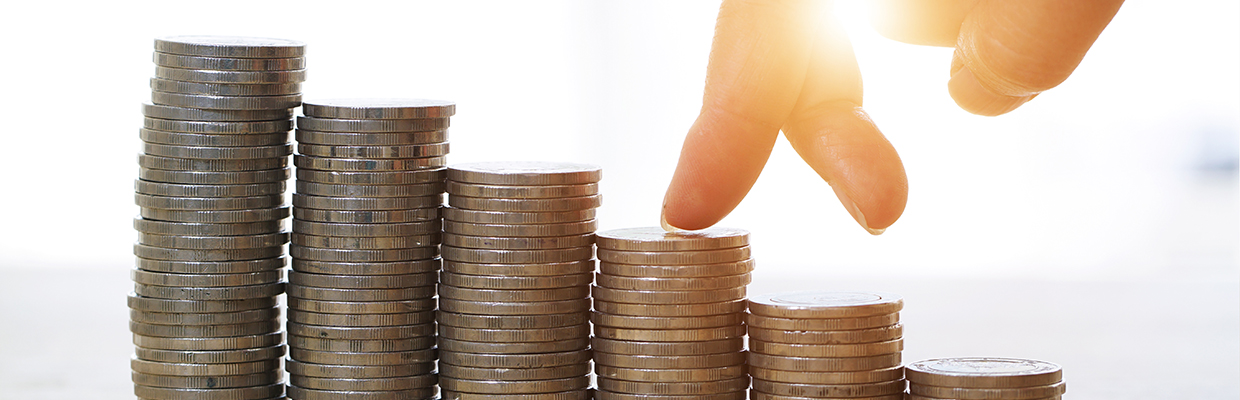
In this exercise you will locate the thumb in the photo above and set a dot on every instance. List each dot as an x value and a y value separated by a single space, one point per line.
1009 51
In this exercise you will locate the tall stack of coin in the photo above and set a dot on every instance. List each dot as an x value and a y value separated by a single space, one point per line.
669 314
978 378
514 300
210 249
370 184
826 345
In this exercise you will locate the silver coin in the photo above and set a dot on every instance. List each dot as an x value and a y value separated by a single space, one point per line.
361 346
212 153
371 384
363 165
367 217
825 304
328 294
365 203
213 242
363 282
244 393
356 371
199 293
542 269
361 320
212 267
207 203
360 333
159 253
347 358
365 230
658 239
209 344
230 46
521 192
525 173
379 108
180 369
484 321
205 280
501 217
208 382
517 256
211 356
214 178
150 162
366 243
371 139
300 393
373 178
528 230
215 217
367 268
183 190
229 63
204 331
181 228
141 303
172 318
226 89
693 257
342 255
517 243
462 346
525 205
371 125
387 151
211 102
217 128
402 190
196 114
515 282
214 76
361 307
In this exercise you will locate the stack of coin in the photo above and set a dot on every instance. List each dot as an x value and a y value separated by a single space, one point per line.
826 345
514 296
210 249
366 227
669 314
978 378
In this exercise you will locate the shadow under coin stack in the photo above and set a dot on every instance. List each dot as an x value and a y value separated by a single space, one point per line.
826 345
669 314
979 378
514 297
361 304
210 249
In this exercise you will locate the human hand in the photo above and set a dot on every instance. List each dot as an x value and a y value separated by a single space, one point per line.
780 65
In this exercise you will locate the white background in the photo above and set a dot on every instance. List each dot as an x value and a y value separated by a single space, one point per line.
1124 174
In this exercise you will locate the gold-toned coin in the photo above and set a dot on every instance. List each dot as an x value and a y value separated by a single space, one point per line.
362 281
180 369
670 375
169 318
535 269
517 243
368 217
525 205
243 393
737 384
525 230
380 108
206 293
516 218
670 335
558 346
348 358
515 308
515 335
160 253
825 304
511 321
361 307
665 362
210 356
521 374
831 324
668 296
515 360
678 271
300 393
205 331
209 344
516 282
674 257
1016 393
371 125
423 176
670 310
361 346
213 242
361 320
833 378
361 333
515 387
314 293
817 364
657 239
211 267
205 280
667 348
756 395
856 336
672 284
888 388
605 395
214 177
508 295
368 384
348 255
140 303
521 192
403 190
984 372
826 350
333 371
208 382
638 322
215 217
366 268
581 394
916 397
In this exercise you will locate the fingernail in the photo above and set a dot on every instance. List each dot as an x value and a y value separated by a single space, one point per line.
663 222
855 212
972 97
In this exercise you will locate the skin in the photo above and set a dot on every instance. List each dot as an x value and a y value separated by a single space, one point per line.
776 66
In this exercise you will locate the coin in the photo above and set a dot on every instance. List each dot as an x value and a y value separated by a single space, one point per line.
785 363
379 108
984 372
756 395
515 360
361 320
215 217
195 139
369 384
230 46
327 294
173 189
677 271
244 393
570 395
668 348
657 239
366 268
150 162
517 243
833 378
209 344
670 375
366 243
373 178
210 267
207 382
210 102
551 320
371 125
360 333
361 346
368 217
198 306
217 128
524 205
158 253
521 374
537 269
347 358
525 173
521 192
516 308
462 346
828 337
605 395
295 367
829 324
515 335
210 357
365 230
180 369
819 391
300 393
669 335
214 76
670 310
515 387
196 114
639 322
226 89
213 177
364 204
516 218
825 304
213 242
361 307
343 255
363 165
386 151
1030 392
190 229
201 293
676 388
239 317
527 230
665 362
516 256
507 295
671 284
207 203
666 297
205 152
205 280
204 331
674 257
229 64
515 282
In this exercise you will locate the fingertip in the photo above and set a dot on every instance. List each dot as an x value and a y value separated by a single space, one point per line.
971 96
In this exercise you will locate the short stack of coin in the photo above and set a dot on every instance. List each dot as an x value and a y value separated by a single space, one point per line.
210 248
514 300
826 345
366 228
669 314
979 378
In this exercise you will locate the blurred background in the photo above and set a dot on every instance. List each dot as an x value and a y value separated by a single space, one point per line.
1097 226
